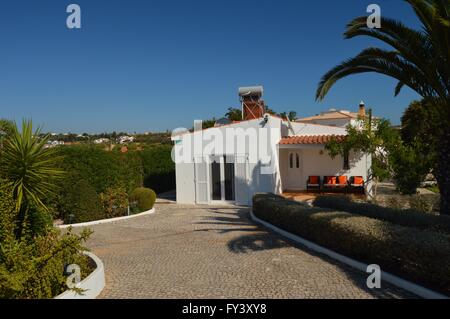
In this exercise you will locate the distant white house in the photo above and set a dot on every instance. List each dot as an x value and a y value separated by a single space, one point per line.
262 153
125 139
102 140
54 143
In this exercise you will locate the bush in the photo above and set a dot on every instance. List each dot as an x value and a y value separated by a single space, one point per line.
143 198
78 202
33 266
421 256
410 166
403 217
115 202
37 269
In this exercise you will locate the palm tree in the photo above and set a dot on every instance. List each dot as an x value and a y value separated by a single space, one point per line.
419 59
30 167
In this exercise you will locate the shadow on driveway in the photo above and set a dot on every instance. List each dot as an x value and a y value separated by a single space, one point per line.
258 238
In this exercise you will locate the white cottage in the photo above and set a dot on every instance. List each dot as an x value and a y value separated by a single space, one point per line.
231 162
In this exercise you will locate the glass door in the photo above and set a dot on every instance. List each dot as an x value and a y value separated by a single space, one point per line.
222 178
229 178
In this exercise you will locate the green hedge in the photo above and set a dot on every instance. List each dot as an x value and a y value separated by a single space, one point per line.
158 168
404 217
421 256
143 198
102 169
92 171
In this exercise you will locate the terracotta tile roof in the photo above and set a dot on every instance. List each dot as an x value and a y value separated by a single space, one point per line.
314 139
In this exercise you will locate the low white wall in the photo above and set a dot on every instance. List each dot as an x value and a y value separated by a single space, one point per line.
92 284
104 221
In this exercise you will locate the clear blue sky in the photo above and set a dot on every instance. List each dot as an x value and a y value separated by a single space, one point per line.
154 65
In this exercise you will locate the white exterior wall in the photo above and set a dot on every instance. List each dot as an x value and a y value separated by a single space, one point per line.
185 183
313 163
251 176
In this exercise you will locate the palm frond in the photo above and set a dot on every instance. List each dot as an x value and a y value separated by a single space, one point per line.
379 61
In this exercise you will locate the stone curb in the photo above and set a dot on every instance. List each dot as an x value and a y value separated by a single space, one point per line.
105 221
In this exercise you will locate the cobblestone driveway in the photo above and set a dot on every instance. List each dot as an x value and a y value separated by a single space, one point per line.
203 252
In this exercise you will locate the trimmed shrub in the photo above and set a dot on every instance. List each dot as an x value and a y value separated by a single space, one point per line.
421 256
404 217
78 202
143 198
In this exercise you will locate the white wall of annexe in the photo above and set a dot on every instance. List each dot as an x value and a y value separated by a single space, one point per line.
260 163
254 148
315 161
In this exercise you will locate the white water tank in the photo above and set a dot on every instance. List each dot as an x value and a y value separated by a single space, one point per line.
251 91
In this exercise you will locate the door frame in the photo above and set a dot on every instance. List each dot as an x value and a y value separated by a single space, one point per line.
222 201
200 160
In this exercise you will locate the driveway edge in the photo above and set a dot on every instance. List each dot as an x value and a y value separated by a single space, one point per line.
105 221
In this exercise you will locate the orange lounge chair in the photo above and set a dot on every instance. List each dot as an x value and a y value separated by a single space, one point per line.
342 181
330 182
313 182
357 183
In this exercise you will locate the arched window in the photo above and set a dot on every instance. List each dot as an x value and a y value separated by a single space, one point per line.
294 160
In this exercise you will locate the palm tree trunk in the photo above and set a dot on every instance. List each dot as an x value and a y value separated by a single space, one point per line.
443 171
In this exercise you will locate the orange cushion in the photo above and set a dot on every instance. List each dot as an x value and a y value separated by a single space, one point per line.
331 180
314 179
342 180
358 180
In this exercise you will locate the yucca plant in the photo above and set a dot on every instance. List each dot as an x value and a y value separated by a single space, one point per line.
30 167
419 59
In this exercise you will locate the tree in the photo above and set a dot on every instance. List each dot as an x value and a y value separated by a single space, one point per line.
372 136
419 131
234 114
292 115
209 123
419 59
409 166
31 168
